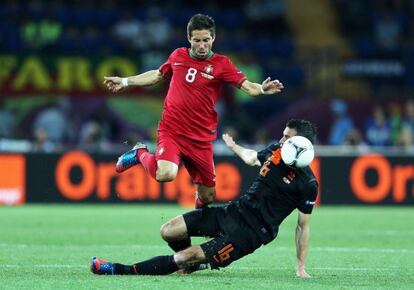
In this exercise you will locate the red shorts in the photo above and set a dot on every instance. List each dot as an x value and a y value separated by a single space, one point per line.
197 156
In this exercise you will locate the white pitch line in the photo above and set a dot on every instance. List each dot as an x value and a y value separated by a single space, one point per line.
275 247
11 245
401 233
355 269
56 266
362 250
323 268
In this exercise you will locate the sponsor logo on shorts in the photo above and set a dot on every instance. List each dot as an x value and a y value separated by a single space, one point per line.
224 254
311 202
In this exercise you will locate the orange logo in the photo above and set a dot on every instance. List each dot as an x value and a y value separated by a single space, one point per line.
224 254
12 179
135 184
392 181
276 156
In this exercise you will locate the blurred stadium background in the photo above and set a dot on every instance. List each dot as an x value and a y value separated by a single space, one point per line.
347 66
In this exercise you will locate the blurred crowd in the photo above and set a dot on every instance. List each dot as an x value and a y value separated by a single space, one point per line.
377 28
256 34
385 125
373 26
57 127
114 27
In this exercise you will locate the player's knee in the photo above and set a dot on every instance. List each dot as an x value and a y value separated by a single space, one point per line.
167 231
207 195
165 175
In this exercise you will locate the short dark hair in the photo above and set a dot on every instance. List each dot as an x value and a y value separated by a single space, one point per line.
303 128
201 22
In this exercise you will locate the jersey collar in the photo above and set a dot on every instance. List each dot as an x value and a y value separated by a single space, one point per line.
192 55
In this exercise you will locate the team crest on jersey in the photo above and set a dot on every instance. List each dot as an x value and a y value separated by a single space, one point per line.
208 69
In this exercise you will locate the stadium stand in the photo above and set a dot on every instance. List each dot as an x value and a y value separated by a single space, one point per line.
356 51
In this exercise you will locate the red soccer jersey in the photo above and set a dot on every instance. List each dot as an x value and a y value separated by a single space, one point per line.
194 90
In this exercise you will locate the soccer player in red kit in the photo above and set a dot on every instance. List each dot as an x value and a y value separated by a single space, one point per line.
189 120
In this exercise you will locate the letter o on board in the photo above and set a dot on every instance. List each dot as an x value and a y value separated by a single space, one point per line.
361 189
65 185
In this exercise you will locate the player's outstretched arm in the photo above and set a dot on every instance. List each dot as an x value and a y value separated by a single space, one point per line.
249 156
268 87
152 77
302 240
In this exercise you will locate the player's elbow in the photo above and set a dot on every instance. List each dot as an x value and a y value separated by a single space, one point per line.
253 161
155 77
157 80
250 157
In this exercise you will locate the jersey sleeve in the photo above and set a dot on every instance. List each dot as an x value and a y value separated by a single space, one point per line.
231 74
265 153
166 67
309 199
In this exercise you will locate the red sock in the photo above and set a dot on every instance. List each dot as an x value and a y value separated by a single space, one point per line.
148 162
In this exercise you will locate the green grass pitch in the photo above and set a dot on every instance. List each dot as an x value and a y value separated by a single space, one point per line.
49 247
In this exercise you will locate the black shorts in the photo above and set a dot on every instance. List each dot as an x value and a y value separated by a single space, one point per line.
232 238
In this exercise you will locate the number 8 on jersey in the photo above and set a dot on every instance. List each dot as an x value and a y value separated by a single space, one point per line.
190 76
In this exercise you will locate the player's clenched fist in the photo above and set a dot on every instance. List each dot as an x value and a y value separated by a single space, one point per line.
114 84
